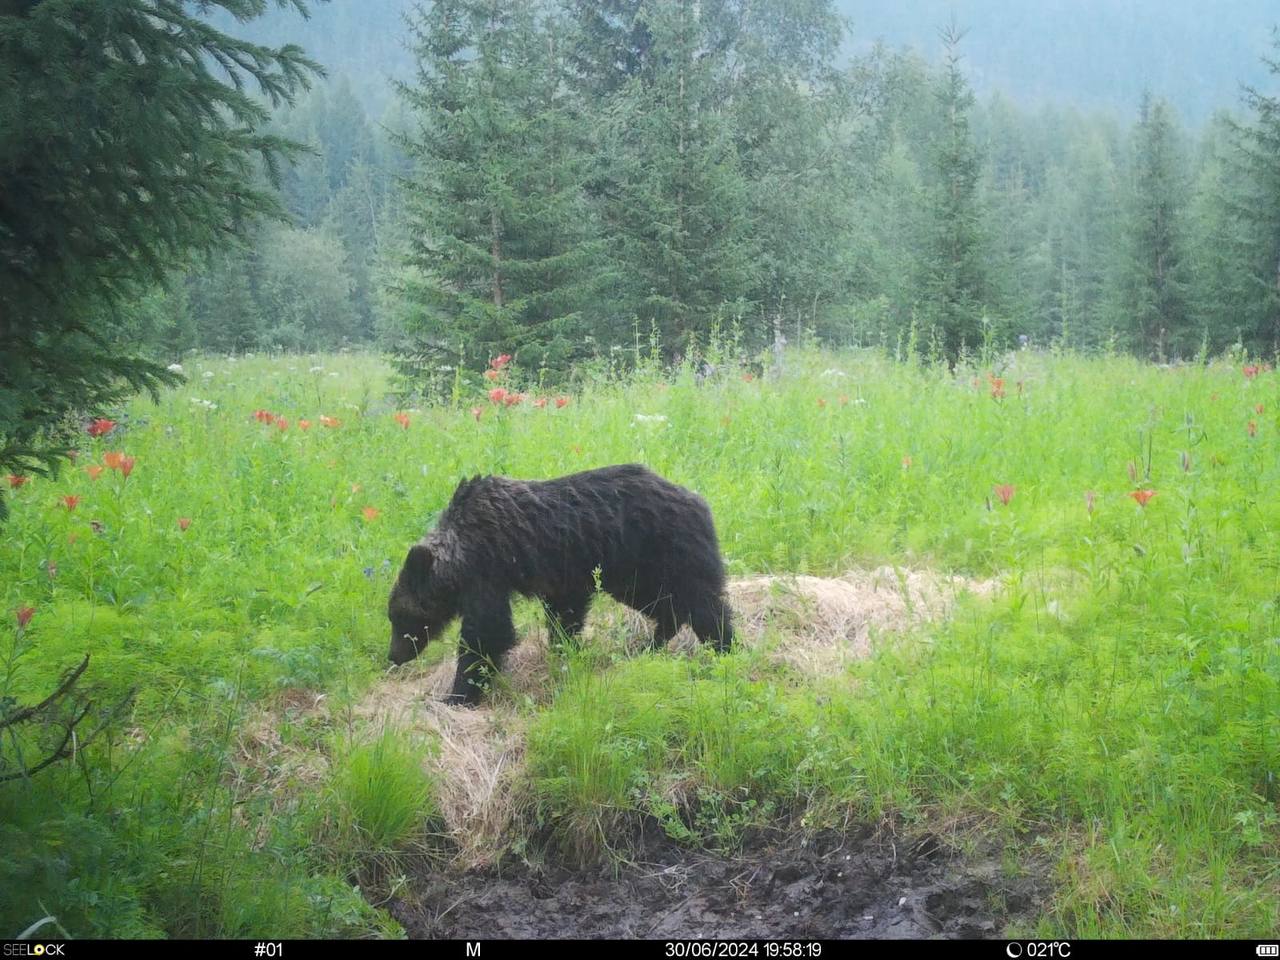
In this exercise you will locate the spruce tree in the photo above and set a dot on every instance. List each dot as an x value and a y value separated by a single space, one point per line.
1152 279
126 142
955 282
499 233
1257 207
672 194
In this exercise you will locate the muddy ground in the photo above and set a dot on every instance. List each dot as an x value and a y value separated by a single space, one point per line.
835 887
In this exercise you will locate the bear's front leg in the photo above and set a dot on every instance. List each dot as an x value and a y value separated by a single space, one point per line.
487 634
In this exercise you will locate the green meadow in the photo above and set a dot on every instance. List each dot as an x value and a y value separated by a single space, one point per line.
1109 716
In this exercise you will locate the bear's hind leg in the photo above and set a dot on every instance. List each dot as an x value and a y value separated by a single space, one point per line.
566 617
487 634
668 625
712 621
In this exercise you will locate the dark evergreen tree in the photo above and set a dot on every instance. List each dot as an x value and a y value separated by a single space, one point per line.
224 304
498 230
955 285
676 207
1152 281
123 147
1256 206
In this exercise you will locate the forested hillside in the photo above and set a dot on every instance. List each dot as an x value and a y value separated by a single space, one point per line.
1092 53
566 177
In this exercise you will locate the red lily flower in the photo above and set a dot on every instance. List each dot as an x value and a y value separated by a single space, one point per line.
997 387
1142 496
94 471
821 403
1089 498
183 523
491 374
101 426
113 459
497 395
561 402
330 422
540 402
402 419
476 412
511 399
282 423
1005 492
1253 428
304 424
70 501
370 514
497 363
1250 370
24 615
16 480
126 465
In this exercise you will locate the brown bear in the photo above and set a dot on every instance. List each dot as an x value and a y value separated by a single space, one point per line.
653 542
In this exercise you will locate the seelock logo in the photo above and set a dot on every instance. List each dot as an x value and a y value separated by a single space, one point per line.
34 950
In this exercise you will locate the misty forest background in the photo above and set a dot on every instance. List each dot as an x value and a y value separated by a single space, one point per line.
560 178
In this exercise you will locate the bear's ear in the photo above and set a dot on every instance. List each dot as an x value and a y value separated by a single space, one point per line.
417 565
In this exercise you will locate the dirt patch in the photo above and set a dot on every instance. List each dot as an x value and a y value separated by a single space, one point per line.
850 887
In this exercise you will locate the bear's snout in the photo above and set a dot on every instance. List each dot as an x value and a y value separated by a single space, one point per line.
403 649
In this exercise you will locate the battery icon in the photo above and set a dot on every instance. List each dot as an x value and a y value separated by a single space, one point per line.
1268 949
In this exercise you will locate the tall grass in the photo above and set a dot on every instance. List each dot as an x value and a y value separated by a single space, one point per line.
1116 704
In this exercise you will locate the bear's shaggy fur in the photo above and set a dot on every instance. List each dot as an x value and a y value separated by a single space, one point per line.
653 542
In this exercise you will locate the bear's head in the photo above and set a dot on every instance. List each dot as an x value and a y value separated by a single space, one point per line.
421 605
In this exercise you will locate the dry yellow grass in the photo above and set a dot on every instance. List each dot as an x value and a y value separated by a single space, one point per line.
814 625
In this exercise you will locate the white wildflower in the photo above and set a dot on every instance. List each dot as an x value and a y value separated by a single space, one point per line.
650 418
208 374
833 372
317 369
174 368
